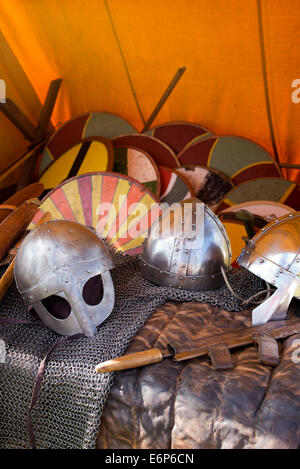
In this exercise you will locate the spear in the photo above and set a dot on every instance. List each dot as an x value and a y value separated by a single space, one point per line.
216 347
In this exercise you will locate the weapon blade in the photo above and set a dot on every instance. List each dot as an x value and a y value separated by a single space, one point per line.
212 345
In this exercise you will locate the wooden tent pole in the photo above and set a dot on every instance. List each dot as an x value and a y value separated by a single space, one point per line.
18 118
289 165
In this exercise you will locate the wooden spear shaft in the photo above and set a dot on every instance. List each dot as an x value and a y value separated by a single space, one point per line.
164 98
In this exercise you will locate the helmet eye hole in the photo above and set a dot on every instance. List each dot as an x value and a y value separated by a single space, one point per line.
92 292
57 306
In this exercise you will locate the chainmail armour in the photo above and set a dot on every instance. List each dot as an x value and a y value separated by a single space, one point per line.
72 395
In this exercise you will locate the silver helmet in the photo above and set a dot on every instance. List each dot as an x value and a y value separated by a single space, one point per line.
62 269
186 248
273 254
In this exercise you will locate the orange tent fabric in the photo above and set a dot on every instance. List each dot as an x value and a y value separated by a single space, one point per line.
217 41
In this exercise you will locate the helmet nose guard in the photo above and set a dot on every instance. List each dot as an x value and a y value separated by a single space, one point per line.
59 258
273 254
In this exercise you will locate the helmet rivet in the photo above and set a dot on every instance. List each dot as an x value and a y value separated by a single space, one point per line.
280 271
261 261
276 275
67 280
186 251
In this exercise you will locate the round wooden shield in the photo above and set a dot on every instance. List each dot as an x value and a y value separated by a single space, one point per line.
90 155
179 134
162 154
209 185
120 209
174 186
264 208
93 124
237 157
139 165
272 189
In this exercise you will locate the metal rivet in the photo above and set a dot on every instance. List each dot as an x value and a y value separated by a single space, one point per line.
45 290
67 280
184 266
261 261
276 275
181 278
298 260
194 278
280 271
273 283
186 251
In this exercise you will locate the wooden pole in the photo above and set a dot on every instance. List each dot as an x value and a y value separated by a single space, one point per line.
164 98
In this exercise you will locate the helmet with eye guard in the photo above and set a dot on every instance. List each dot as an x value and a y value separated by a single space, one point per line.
54 267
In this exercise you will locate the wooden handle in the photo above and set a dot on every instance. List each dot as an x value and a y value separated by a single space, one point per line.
7 278
132 360
15 224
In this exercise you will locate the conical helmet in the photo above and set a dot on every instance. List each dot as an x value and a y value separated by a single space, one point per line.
186 248
62 269
273 254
